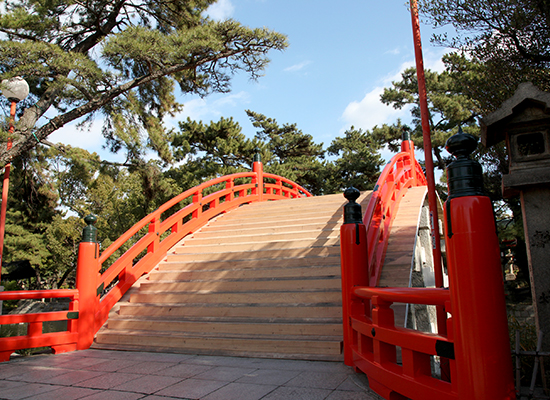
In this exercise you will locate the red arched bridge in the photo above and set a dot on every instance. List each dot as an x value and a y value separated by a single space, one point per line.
224 269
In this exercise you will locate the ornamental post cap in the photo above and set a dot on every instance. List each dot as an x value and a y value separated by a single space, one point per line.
352 211
461 144
464 175
351 194
89 233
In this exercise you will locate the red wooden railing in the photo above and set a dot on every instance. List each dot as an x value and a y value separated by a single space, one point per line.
371 340
150 239
401 173
473 349
377 340
58 341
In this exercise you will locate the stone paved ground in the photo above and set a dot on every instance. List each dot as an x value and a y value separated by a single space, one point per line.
116 375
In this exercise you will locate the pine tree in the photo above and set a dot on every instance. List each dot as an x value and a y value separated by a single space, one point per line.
124 61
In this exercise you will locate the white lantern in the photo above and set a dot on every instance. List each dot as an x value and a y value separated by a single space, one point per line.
15 89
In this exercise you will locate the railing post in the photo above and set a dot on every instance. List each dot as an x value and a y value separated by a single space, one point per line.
407 145
154 228
353 249
258 168
86 283
197 199
482 347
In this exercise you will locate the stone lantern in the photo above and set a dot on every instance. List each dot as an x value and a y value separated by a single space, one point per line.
523 121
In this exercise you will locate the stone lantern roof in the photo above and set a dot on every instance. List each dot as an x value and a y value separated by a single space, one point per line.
526 98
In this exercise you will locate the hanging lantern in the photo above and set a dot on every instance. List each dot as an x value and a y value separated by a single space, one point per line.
15 89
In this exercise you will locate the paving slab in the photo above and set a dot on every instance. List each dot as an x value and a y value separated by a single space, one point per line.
123 375
192 389
65 393
241 391
268 377
148 384
224 374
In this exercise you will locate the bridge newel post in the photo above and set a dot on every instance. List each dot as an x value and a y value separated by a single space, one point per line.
407 146
258 168
480 324
86 282
353 256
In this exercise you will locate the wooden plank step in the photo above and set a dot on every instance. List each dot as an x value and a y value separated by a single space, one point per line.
282 220
305 297
259 273
242 285
214 238
259 254
235 311
291 227
243 343
191 248
221 327
282 263
283 213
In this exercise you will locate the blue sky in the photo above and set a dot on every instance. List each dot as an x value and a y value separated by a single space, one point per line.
341 56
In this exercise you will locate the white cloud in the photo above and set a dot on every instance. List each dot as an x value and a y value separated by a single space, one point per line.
395 51
368 112
297 67
221 10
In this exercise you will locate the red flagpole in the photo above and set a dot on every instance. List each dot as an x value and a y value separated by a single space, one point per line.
6 185
432 198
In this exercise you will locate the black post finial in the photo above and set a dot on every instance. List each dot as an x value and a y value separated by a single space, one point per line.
464 175
352 210
89 233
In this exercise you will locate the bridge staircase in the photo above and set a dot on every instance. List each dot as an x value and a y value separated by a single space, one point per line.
262 281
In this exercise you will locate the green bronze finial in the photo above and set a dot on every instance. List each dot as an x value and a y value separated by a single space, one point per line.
89 233
257 157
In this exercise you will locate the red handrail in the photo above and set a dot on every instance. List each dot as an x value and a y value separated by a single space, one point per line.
58 341
150 239
221 201
401 173
378 339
